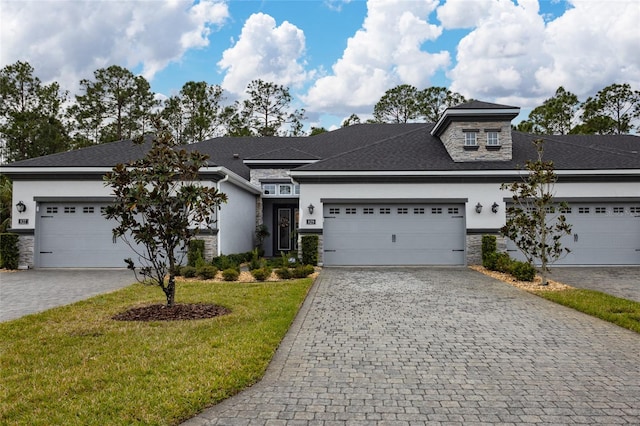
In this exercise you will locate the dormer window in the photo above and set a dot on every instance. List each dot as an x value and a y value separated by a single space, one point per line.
492 138
470 138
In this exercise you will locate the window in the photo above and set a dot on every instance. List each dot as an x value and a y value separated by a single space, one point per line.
284 189
87 210
470 139
367 210
634 209
69 209
385 210
492 139
52 210
418 210
565 210
601 210
618 210
334 210
296 189
350 210
453 210
269 189
583 210
103 210
436 210
403 210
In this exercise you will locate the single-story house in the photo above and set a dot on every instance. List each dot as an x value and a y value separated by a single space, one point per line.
375 194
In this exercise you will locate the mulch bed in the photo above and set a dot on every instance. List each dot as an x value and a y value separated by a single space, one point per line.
177 312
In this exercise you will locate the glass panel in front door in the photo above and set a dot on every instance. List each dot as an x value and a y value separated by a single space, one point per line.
284 229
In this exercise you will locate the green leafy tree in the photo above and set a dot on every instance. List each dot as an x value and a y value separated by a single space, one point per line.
115 105
31 114
266 110
160 205
317 131
353 119
195 113
613 110
397 105
556 116
433 101
534 222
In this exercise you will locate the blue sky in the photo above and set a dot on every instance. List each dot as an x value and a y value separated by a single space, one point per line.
336 56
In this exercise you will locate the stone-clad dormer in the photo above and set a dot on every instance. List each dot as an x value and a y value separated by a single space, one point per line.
477 131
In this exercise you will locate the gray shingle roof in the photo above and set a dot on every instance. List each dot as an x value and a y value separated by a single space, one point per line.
370 147
482 105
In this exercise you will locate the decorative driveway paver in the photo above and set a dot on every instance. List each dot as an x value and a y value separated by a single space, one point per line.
35 290
439 346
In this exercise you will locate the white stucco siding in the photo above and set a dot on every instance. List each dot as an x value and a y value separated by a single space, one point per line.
237 220
28 190
484 193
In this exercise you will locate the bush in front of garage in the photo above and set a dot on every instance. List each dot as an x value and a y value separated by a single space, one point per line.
9 254
310 249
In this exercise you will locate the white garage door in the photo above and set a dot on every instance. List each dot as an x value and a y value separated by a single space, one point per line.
77 235
602 234
394 234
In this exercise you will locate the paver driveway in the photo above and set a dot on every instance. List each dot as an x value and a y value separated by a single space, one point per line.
439 346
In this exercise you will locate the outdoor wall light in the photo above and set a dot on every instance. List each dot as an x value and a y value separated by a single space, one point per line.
494 207
478 208
311 207
21 207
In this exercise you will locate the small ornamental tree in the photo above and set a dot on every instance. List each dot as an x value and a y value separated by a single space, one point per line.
160 205
534 222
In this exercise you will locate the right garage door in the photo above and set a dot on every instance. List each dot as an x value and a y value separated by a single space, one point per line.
394 234
602 234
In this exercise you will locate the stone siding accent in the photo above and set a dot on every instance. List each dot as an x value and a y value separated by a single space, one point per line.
453 140
474 247
26 251
261 174
210 245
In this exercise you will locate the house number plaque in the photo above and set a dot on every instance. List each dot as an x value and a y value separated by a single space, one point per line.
311 221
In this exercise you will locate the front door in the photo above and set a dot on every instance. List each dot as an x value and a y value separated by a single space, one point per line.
286 226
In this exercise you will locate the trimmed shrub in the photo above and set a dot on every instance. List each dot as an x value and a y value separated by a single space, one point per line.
9 254
188 271
302 271
230 274
261 274
310 250
283 273
196 252
206 272
503 263
523 271
489 247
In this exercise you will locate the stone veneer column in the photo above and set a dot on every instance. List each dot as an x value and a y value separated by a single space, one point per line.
26 251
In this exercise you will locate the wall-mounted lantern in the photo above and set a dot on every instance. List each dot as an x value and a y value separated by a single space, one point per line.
494 207
478 208
310 208
21 207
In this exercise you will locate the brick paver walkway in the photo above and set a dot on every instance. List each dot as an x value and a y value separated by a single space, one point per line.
439 346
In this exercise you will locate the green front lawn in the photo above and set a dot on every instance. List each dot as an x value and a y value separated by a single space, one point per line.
75 365
623 312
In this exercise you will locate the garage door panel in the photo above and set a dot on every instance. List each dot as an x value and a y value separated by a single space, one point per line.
77 235
602 234
394 235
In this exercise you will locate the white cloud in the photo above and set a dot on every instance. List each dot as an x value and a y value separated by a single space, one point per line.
513 56
265 51
67 40
385 52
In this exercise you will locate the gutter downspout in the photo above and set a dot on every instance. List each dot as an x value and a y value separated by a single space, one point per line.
219 215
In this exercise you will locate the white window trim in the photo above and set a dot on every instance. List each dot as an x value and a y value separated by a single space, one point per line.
470 140
497 139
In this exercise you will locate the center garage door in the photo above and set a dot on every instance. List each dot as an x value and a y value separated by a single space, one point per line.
394 234
76 235
602 234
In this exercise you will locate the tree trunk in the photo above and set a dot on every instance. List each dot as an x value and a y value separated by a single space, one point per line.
171 290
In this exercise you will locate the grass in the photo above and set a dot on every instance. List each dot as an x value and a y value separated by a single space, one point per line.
75 365
623 312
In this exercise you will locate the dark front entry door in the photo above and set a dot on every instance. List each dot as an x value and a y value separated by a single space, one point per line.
286 227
